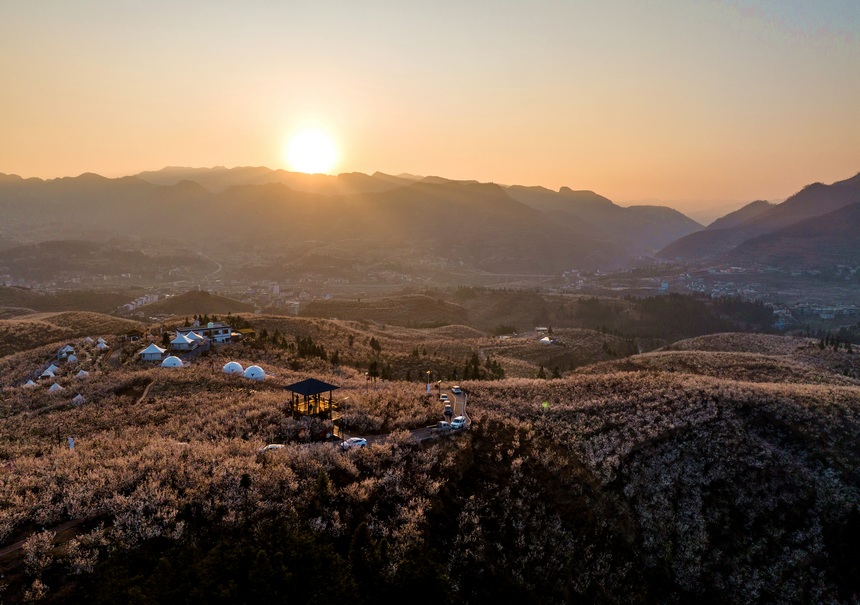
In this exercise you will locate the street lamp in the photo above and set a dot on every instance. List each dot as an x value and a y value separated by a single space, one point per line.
343 424
428 380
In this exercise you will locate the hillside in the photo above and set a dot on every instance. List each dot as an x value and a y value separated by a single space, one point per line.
726 234
98 301
30 331
823 241
674 487
195 302
460 225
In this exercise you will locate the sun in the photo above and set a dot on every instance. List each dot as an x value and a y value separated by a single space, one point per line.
311 151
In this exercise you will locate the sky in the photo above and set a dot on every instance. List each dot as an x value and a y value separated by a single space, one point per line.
688 102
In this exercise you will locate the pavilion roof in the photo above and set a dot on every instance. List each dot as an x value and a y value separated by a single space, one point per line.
310 386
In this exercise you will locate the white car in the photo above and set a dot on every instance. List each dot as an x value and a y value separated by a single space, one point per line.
353 442
443 397
269 448
457 390
458 422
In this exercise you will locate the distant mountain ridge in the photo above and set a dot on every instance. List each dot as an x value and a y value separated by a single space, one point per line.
741 235
475 226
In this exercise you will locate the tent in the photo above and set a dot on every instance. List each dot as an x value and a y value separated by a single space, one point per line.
78 399
254 373
171 362
152 353
196 336
52 369
72 359
88 340
55 388
102 340
82 374
183 343
68 349
47 374
546 340
233 367
30 384
102 346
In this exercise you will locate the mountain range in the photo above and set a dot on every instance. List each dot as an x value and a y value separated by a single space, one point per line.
405 220
814 228
465 224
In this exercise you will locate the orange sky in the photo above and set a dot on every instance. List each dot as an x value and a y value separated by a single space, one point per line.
685 101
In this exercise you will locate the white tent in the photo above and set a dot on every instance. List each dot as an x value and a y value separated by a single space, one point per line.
47 374
68 349
102 346
102 340
30 384
171 362
52 369
72 359
88 340
196 336
78 399
152 353
82 374
254 373
546 340
55 388
233 367
183 343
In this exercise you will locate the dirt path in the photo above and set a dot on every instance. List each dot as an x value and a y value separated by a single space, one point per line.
59 537
145 392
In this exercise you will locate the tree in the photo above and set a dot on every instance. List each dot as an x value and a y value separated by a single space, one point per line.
556 373
374 344
541 373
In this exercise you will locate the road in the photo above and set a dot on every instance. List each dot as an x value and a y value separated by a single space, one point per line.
428 432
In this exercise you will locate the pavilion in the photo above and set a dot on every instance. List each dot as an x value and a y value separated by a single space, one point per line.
307 398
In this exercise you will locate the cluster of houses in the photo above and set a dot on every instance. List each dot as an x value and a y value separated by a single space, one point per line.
194 337
188 338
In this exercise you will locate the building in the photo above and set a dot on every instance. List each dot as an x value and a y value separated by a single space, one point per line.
215 332
152 353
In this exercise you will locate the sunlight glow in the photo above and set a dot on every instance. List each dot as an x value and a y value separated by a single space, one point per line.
311 151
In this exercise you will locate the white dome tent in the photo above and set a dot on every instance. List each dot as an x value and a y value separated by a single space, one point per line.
233 367
82 374
78 399
30 384
47 374
72 359
254 373
55 388
172 362
88 340
102 346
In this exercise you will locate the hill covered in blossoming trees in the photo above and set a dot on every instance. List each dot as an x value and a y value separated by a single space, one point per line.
723 470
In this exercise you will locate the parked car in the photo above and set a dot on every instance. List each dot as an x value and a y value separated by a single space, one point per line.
456 390
442 426
448 411
443 397
353 442
458 422
270 447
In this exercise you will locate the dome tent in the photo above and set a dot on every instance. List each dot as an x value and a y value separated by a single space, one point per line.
78 399
30 384
172 362
254 373
55 388
233 367
82 374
